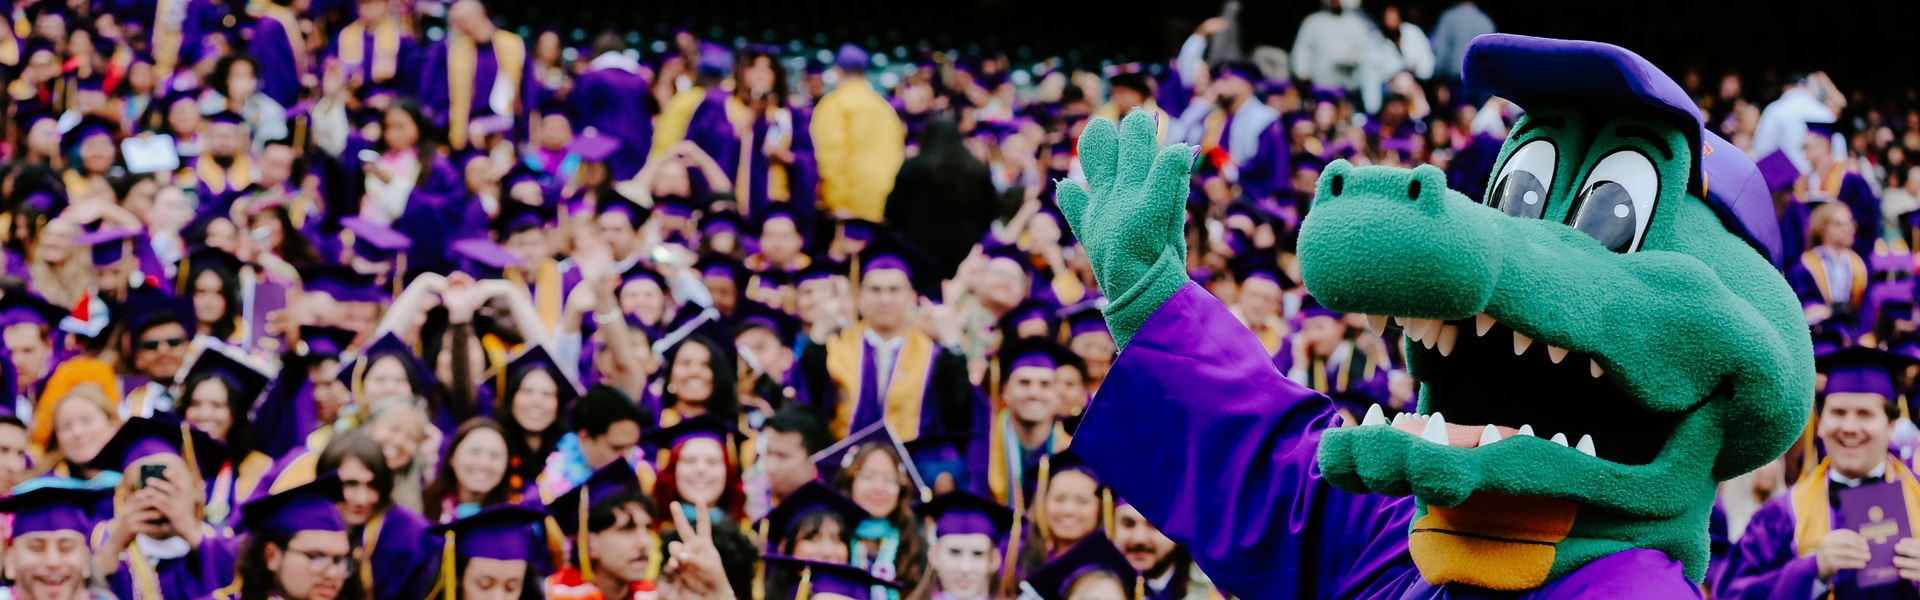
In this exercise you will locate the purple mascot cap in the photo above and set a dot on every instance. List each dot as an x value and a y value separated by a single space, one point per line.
1537 73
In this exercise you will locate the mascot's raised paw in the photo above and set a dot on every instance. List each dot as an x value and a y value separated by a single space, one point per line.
1130 216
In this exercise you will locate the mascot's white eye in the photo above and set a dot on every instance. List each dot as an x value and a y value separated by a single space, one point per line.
1616 203
1521 189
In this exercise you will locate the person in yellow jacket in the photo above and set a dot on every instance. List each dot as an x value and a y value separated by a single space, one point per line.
858 141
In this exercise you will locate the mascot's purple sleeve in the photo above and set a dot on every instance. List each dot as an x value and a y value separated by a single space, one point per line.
1196 428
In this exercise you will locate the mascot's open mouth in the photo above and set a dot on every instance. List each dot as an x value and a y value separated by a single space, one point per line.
1480 372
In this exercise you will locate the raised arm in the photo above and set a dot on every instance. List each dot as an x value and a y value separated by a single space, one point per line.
1194 425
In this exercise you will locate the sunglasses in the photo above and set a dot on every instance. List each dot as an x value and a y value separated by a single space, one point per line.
172 342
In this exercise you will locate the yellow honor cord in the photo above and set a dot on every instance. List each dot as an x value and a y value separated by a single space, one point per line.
1040 498
449 581
805 590
1106 510
580 540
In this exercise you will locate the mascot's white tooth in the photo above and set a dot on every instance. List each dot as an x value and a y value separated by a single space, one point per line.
1432 330
1556 354
1374 416
1402 321
1489 435
1482 324
1586 445
1560 438
1520 343
1526 430
1593 366
1410 327
1377 324
1436 430
1448 335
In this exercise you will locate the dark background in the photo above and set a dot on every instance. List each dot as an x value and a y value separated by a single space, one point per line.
1871 46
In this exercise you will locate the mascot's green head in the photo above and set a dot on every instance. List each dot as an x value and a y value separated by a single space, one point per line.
1600 340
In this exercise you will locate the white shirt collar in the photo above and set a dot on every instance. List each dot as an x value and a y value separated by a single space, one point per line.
1879 470
167 549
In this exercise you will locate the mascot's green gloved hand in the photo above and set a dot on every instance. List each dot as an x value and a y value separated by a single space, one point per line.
1131 217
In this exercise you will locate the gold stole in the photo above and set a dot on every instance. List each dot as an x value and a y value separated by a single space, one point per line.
546 291
1068 289
1813 516
9 47
290 23
369 539
671 128
463 56
1005 491
742 119
77 184
905 390
1216 125
146 577
221 180
386 47
1317 367
248 474
1818 268
166 40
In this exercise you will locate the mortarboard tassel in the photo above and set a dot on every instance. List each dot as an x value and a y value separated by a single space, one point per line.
993 381
399 277
580 539
449 581
805 591
760 567
1013 548
180 280
1140 587
186 453
1106 510
1903 408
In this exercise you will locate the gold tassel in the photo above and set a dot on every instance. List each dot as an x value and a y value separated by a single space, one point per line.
180 279
399 277
580 539
993 381
1140 586
449 581
1106 510
805 592
186 453
1013 546
760 567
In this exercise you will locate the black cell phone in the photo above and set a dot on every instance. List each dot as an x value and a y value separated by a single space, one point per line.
152 472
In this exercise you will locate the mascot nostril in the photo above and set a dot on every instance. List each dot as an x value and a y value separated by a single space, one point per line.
1579 401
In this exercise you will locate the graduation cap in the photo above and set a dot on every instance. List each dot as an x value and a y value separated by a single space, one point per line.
321 340
896 254
516 216
556 108
1310 308
21 306
388 344
840 455
1242 69
1027 311
780 211
721 222
202 257
109 244
88 126
227 117
1778 170
1084 318
375 242
537 357
343 283
307 507
704 426
141 437
54 508
750 314
1260 265
967 513
485 259
1826 130
1863 370
812 498
489 125
1012 253
223 362
570 510
1093 554
502 532
145 309
643 272
594 147
820 268
619 204
825 578
1038 352
718 266
715 60
851 58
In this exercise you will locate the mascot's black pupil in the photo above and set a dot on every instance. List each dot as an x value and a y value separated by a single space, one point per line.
1338 183
1521 195
1606 213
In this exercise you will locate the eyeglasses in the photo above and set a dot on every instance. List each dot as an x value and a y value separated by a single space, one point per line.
321 563
172 342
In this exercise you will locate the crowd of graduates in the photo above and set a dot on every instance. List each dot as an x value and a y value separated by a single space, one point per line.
308 300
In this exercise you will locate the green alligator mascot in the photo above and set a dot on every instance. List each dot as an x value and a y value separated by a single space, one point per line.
1600 341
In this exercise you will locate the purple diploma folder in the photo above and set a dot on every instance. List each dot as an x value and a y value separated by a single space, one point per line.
1879 513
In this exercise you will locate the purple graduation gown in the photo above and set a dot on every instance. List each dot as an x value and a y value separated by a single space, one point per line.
1197 429
279 68
1361 388
406 71
712 131
803 176
1844 325
614 101
434 96
1266 174
1766 562
401 556
197 575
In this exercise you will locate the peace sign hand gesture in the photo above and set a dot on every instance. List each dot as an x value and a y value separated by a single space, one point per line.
693 570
